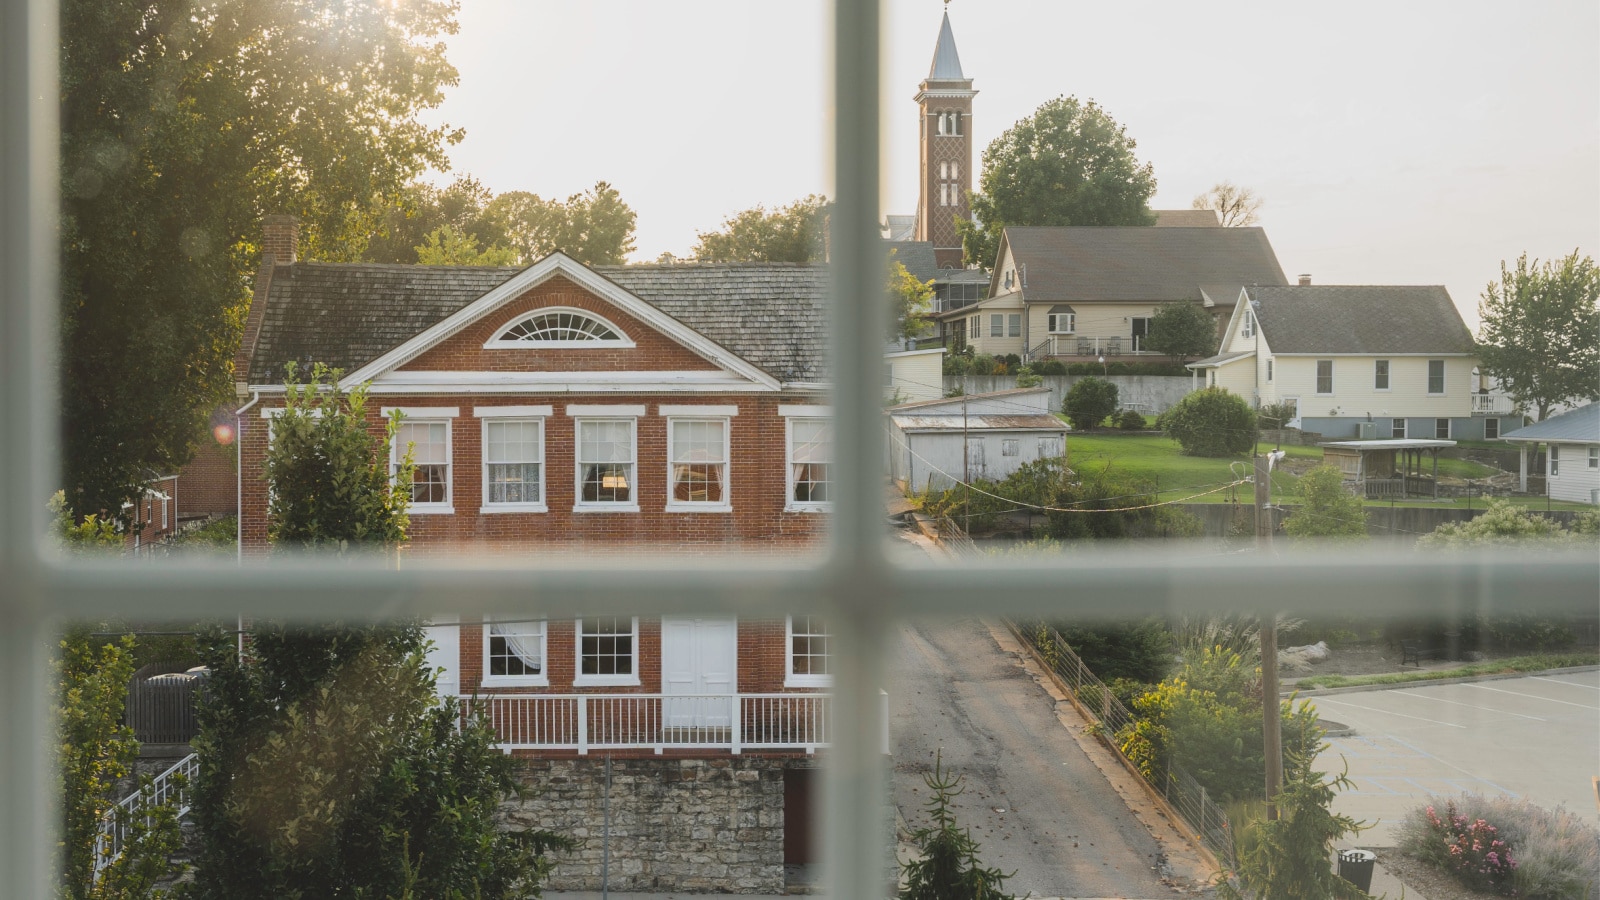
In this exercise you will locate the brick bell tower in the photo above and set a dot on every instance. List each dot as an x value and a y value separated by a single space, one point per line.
945 102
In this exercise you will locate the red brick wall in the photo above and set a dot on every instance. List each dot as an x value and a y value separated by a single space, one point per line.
209 484
464 351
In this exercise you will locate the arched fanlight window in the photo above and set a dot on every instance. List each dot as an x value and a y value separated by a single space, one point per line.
558 327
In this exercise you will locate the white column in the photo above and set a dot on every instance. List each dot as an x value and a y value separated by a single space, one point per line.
1522 468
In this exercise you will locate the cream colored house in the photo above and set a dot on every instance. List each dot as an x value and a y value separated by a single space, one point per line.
1356 361
910 376
1078 293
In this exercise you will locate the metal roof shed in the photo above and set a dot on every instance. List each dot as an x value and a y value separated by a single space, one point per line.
1387 468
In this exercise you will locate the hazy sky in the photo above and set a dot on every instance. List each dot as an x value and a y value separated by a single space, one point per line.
1403 143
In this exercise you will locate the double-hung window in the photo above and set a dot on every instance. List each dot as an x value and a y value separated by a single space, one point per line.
697 457
1594 457
1014 325
1325 376
513 458
607 651
810 458
515 653
808 653
1380 375
1398 430
1491 428
1555 460
607 467
425 432
1269 370
975 327
997 325
1435 376
1441 429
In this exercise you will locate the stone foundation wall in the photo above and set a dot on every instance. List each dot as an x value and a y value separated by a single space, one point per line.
690 825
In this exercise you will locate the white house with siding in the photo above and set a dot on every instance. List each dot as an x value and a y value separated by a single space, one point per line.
937 444
912 376
1357 361
1572 440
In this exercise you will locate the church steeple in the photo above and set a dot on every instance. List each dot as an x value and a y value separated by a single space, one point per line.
944 100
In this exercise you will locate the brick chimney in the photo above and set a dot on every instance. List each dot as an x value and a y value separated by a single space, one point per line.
1305 280
280 238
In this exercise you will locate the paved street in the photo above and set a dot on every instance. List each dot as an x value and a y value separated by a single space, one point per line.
1536 737
1037 803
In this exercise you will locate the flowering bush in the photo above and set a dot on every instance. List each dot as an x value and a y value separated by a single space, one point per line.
1473 850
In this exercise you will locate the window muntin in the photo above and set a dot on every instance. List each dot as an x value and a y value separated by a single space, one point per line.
515 653
1269 370
607 465
810 463
1441 429
1555 460
1063 323
697 464
1380 375
1594 457
997 325
975 327
607 651
555 327
808 660
1435 376
1325 376
513 465
430 455
1014 325
1399 429
1249 329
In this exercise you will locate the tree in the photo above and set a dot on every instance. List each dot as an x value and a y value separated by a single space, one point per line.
444 246
595 227
1088 403
1235 206
1069 163
180 128
1211 422
948 867
328 766
795 233
909 300
1137 649
1327 509
419 208
1539 335
1183 330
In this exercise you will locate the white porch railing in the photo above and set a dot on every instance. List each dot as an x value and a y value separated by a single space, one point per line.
166 787
1491 405
1085 346
658 722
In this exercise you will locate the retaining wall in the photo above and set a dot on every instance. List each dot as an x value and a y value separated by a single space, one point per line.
1155 393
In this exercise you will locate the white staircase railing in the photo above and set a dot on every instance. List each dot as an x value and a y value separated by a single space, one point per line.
166 789
585 722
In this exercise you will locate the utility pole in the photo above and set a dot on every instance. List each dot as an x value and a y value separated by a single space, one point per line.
1271 729
966 465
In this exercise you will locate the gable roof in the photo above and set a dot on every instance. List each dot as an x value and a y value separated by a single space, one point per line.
916 256
1138 264
1578 426
348 315
1187 218
1359 319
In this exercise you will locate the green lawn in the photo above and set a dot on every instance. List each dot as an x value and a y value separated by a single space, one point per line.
1536 663
1177 476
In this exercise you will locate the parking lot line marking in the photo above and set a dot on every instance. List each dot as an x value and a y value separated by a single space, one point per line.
1576 684
1535 697
1459 703
1472 775
1387 712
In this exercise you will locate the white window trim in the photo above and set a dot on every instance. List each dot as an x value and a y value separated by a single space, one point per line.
1449 428
997 325
1387 375
1269 370
581 680
725 505
1554 459
1404 428
513 412
1014 325
1444 378
790 679
1594 457
1332 374
580 505
605 410
1055 322
489 680
805 411
491 508
496 343
447 508
704 412
789 503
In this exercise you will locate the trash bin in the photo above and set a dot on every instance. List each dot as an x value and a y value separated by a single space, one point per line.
1355 866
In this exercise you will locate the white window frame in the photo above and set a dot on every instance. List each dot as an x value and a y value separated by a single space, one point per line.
790 413
721 415
1594 457
579 679
1316 378
975 327
997 325
1444 378
807 680
1449 427
497 342
1014 325
1555 460
1491 420
1382 373
491 415
1269 370
589 414
1397 428
1056 319
428 415
1249 329
540 680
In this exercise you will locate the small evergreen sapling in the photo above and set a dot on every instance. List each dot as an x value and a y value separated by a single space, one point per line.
949 867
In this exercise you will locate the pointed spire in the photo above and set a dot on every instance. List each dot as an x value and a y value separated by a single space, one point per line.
946 62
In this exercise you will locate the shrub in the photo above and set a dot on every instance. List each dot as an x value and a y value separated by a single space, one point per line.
1326 508
1089 402
1505 524
1557 854
1138 650
1211 422
1028 376
1012 362
1470 849
1130 420
948 865
1122 368
983 364
1050 367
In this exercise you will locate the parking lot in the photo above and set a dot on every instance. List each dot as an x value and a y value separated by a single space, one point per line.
1535 737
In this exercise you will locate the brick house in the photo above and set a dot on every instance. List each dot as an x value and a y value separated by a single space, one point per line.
558 408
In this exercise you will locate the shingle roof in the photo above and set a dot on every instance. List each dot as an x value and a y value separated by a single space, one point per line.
1360 319
347 315
1133 264
916 256
1187 218
1579 426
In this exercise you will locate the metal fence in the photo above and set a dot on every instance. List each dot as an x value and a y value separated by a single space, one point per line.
1186 795
161 704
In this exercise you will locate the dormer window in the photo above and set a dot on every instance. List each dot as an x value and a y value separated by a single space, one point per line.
558 327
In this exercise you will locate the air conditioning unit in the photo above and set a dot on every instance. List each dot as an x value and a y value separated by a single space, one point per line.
1366 431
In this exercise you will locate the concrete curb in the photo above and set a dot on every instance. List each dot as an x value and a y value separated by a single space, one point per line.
1424 682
